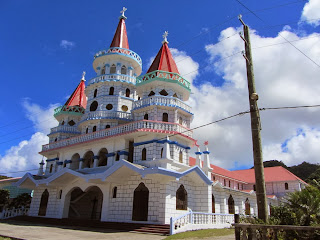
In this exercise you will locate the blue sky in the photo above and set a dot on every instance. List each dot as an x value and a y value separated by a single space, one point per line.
45 45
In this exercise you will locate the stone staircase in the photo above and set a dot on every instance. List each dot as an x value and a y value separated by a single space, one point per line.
119 226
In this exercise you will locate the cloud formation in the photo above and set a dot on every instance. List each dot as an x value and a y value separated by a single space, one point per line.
311 12
68 45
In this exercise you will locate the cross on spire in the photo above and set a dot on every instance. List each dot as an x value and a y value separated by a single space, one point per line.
122 12
83 74
165 35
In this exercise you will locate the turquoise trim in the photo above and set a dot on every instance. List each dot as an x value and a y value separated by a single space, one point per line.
72 110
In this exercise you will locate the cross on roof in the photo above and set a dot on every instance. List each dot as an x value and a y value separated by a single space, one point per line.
165 35
123 10
206 143
83 74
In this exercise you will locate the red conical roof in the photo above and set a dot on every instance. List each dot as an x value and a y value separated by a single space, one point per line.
78 97
164 61
120 38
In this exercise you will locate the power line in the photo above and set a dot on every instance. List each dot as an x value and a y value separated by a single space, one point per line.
279 34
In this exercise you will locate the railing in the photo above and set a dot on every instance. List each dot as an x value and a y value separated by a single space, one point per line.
121 129
66 129
163 76
9 213
106 77
197 220
75 110
162 100
264 232
117 50
105 114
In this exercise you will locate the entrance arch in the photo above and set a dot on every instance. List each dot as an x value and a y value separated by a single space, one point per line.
140 203
87 204
103 159
43 203
231 207
88 160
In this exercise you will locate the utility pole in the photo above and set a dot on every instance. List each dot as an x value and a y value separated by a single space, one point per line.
255 128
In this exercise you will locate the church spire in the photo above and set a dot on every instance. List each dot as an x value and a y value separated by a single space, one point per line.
78 97
164 60
120 38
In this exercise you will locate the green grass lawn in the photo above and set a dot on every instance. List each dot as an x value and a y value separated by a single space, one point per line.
4 238
202 233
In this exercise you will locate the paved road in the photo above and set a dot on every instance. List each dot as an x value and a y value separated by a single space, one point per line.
33 231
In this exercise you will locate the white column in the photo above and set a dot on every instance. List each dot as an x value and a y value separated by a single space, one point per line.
198 158
166 149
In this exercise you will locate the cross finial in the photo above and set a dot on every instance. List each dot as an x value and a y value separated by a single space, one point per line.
83 74
122 12
206 143
165 35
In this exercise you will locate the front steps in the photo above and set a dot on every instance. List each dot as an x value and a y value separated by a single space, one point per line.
137 227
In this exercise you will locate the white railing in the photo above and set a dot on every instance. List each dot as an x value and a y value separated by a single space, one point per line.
161 100
117 50
105 77
67 129
121 129
9 213
197 220
106 114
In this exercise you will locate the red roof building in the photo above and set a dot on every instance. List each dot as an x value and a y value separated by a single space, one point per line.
120 38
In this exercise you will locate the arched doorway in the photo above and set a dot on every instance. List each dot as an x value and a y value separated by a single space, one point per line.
103 159
247 207
43 203
75 161
88 160
85 205
140 203
231 205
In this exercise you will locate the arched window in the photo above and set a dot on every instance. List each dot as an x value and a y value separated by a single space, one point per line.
95 93
117 156
75 161
114 192
286 186
146 116
94 128
181 198
64 164
127 92
175 95
254 187
213 204
247 207
88 160
56 139
163 92
113 69
103 159
180 157
103 70
87 130
231 205
111 91
107 126
161 152
151 93
62 123
93 106
180 120
123 69
51 168
43 203
144 154
165 117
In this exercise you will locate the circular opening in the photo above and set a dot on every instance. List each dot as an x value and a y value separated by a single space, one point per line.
124 108
71 123
109 107
93 106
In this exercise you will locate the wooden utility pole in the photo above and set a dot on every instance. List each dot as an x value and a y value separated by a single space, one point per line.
255 129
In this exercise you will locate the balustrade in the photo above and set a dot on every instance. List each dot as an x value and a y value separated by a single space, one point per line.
106 114
161 100
124 128
105 77
66 129
117 50
9 213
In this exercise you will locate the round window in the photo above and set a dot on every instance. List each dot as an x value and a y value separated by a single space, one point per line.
109 107
124 108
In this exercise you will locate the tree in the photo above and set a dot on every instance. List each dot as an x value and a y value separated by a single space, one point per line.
23 200
4 197
314 176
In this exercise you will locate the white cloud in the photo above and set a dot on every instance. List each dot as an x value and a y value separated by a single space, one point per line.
311 12
25 156
68 45
284 77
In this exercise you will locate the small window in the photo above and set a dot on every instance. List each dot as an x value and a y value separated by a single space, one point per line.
144 154
254 187
175 95
111 91
127 92
161 152
114 192
229 184
62 123
180 120
151 93
123 69
107 126
146 116
113 69
60 193
286 186
71 123
247 207
94 128
87 130
117 156
213 204
224 182
103 70
51 168
95 93
238 186
93 106
181 198
165 117
109 107
124 108
56 139
64 164
163 92
180 157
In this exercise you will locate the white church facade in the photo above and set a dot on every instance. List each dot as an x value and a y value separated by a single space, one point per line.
121 150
